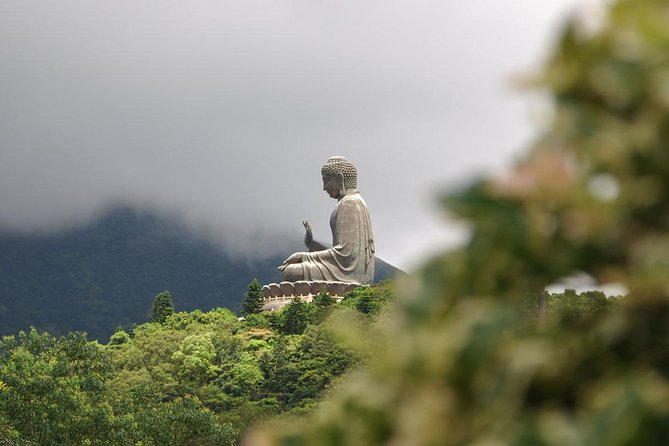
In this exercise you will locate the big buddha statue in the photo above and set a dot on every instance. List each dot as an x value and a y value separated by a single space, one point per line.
351 257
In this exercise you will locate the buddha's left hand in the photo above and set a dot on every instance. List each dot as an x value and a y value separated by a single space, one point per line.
294 258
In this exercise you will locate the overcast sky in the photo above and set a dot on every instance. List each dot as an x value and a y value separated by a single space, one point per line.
224 111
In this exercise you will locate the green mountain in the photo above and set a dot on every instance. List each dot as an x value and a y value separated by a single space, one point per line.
103 275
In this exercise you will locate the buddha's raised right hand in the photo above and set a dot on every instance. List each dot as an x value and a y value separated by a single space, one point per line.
308 236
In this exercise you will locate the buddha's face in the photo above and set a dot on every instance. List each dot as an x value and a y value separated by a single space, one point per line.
332 186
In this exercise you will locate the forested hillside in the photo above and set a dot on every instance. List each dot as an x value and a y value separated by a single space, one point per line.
205 378
103 275
196 378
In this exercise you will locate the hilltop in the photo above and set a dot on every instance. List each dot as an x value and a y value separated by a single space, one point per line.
105 274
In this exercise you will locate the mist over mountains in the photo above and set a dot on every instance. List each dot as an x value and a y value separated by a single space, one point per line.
97 277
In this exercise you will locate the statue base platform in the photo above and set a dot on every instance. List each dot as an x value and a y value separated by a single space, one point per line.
277 295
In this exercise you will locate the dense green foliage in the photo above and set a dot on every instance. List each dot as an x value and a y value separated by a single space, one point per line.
58 391
460 361
104 275
195 378
575 307
369 300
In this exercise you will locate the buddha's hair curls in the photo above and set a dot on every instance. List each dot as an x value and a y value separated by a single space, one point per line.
339 165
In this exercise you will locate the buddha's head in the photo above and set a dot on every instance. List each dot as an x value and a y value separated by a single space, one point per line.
339 177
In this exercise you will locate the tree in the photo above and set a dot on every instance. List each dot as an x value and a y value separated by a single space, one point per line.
119 337
366 303
54 389
324 304
252 302
183 421
324 300
162 307
195 358
294 317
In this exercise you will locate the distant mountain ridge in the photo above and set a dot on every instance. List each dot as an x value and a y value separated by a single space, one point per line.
105 274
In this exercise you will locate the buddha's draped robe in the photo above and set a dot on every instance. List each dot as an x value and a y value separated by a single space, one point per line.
351 257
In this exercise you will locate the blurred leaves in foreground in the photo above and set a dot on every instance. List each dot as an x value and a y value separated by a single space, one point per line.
463 363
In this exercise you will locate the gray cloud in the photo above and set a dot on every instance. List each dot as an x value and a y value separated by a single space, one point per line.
224 111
